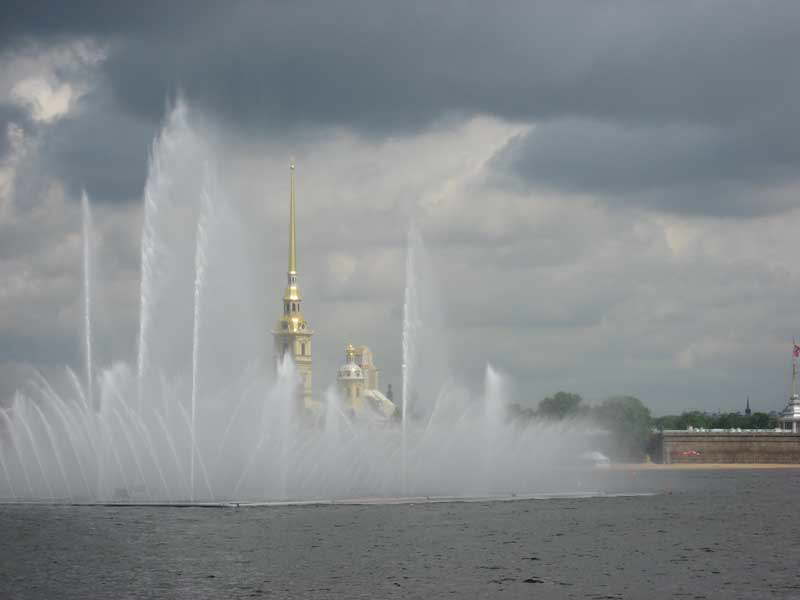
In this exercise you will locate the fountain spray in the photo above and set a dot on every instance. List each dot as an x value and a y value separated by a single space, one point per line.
87 296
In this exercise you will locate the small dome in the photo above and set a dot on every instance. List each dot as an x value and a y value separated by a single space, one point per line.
350 371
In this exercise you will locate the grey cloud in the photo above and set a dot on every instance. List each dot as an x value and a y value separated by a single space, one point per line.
682 108
11 113
100 149
26 21
711 81
390 66
23 348
672 167
622 341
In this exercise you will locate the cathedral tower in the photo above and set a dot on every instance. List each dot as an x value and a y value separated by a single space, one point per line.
292 334
350 381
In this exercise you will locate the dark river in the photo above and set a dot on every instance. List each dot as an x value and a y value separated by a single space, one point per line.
704 534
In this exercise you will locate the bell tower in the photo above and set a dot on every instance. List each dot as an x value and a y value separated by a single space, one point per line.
292 334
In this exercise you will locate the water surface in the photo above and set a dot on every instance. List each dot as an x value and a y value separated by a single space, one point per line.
707 534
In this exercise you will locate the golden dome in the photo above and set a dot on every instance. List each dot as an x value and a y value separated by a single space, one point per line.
350 370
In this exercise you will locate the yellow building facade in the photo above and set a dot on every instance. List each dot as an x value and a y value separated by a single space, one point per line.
350 382
362 356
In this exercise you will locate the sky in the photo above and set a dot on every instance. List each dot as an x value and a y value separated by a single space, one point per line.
608 190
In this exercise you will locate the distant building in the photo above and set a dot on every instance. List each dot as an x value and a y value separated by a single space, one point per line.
789 418
747 411
362 356
357 383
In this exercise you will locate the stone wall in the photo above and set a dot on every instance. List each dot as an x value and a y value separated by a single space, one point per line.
730 447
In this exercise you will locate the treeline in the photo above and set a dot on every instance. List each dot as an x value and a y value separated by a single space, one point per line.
695 418
627 420
630 423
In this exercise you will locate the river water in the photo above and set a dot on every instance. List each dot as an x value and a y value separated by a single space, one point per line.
701 534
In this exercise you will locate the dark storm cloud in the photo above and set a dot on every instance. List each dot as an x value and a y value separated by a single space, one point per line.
703 90
99 149
24 21
681 107
399 65
673 167
390 65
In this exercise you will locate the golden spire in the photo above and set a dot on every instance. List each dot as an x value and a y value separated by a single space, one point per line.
292 249
292 293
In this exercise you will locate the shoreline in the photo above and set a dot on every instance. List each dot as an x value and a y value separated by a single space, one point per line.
700 466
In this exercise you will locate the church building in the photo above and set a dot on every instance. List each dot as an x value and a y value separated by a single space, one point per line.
357 381
789 418
357 384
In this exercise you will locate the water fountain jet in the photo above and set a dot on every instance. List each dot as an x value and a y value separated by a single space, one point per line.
200 400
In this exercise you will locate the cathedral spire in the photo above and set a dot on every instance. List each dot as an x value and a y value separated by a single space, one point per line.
292 293
292 335
292 244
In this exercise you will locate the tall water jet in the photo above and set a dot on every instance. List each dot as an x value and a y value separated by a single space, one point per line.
425 348
171 199
199 414
200 262
495 403
148 249
332 415
406 357
87 297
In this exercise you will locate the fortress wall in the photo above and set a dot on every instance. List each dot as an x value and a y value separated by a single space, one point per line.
731 447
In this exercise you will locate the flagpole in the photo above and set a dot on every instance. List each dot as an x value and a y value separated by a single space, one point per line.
794 368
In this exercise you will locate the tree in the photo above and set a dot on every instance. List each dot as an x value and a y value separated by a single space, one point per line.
694 418
560 405
517 412
629 422
760 420
667 422
703 420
